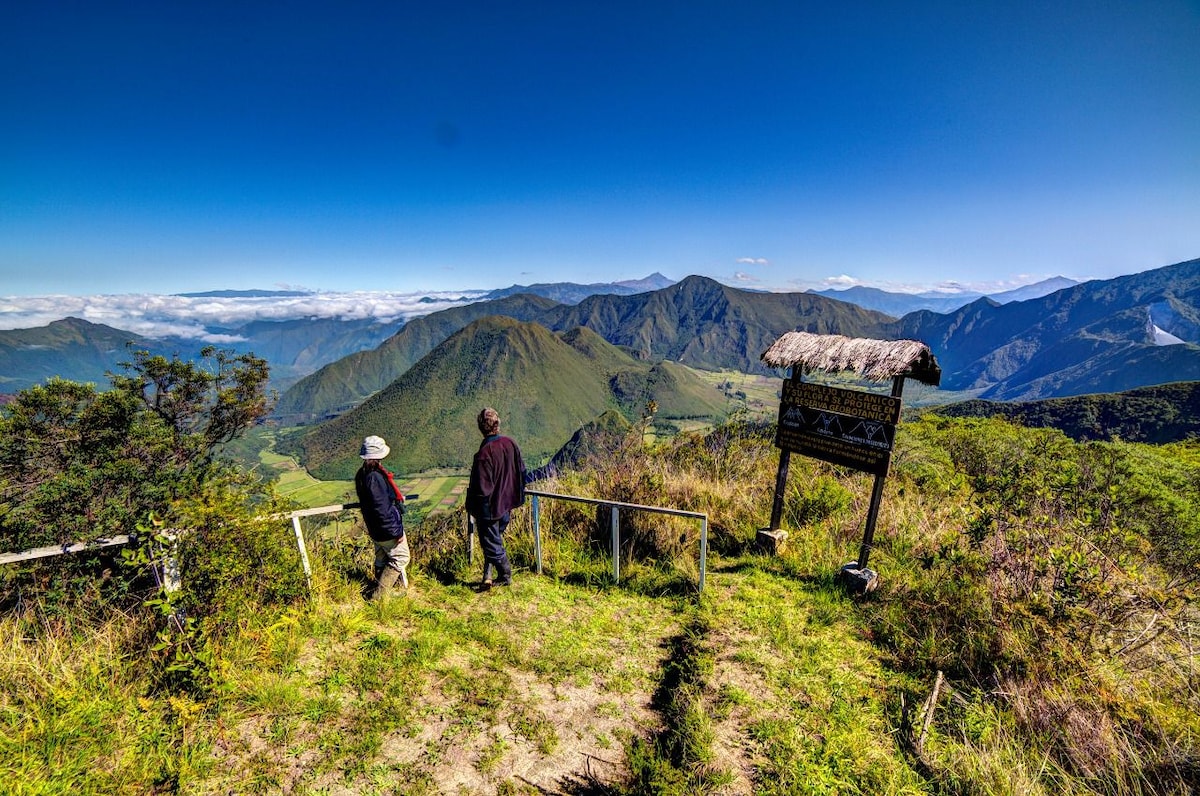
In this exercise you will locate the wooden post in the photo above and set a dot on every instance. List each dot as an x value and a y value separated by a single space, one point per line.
864 551
785 458
303 550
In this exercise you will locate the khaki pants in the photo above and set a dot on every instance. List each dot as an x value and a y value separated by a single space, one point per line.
391 565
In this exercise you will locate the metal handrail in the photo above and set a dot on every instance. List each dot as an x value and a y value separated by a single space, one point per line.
535 507
616 506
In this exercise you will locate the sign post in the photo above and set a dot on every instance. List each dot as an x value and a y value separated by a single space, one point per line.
864 552
852 428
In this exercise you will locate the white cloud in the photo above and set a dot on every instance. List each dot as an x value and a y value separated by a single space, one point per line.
754 261
209 318
740 276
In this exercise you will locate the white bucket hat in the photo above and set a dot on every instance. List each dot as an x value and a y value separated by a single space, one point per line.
374 448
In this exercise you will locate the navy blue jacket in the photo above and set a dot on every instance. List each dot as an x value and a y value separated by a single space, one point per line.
382 512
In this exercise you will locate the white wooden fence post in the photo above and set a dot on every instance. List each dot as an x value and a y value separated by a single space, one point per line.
303 550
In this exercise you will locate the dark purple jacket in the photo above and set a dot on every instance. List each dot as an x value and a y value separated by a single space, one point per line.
497 482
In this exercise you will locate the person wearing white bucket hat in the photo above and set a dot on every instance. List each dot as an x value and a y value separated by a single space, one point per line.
382 506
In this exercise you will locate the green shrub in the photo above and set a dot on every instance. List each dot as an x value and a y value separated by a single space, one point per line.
238 554
1059 585
812 502
77 464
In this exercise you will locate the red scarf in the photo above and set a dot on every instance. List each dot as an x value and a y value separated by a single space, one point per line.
391 480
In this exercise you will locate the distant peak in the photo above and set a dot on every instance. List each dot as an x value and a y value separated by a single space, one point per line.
246 294
655 281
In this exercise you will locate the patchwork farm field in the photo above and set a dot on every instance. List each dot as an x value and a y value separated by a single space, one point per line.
438 492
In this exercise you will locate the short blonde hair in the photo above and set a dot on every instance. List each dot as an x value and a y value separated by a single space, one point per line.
489 422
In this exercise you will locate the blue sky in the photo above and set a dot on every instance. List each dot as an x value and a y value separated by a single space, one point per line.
186 146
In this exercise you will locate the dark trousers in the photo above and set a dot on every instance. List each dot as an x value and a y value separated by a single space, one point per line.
492 545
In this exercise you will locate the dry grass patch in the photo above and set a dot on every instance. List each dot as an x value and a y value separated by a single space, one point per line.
452 691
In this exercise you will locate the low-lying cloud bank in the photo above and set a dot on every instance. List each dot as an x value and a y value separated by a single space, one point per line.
212 318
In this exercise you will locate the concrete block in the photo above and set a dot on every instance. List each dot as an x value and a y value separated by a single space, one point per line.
770 541
858 580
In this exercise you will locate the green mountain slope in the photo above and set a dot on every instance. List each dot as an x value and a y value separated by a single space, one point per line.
346 382
705 324
698 322
1159 414
545 387
72 349
298 347
82 351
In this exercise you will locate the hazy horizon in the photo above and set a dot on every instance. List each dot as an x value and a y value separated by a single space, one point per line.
194 316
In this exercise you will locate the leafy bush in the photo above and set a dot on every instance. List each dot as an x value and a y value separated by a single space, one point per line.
77 464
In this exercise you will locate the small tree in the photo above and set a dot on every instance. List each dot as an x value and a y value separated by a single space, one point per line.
77 464
202 408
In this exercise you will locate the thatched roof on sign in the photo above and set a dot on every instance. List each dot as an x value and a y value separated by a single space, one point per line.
875 360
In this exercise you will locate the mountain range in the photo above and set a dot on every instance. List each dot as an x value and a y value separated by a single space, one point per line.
1093 337
73 349
1098 336
697 321
343 383
82 351
900 304
573 293
544 385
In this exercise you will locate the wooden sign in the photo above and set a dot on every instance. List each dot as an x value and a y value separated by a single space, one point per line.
851 428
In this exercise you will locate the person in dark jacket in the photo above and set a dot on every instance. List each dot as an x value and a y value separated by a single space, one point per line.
382 506
496 486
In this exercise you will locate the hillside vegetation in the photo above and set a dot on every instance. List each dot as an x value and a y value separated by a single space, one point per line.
545 387
1034 633
71 349
1163 413
697 322
344 383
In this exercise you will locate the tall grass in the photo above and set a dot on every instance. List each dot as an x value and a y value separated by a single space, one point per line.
1050 583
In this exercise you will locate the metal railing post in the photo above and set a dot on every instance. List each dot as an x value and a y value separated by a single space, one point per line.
537 532
703 550
616 543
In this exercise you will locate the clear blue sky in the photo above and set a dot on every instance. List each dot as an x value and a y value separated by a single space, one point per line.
183 146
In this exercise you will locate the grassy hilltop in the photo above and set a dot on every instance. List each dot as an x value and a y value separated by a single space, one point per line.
1034 633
